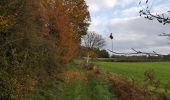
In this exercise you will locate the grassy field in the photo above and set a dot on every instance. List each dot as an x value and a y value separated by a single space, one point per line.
136 70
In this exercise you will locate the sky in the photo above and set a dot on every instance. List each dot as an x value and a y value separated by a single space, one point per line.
121 17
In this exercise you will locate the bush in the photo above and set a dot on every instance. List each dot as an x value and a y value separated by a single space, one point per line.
126 89
6 86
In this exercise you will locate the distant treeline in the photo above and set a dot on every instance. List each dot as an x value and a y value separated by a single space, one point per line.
118 58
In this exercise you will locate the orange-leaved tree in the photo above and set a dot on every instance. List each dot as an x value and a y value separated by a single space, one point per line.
63 23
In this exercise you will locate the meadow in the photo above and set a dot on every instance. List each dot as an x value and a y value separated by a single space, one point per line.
136 70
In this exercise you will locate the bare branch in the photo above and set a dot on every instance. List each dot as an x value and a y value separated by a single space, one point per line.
164 34
161 18
137 53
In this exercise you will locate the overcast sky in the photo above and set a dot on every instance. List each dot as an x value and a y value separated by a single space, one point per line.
121 17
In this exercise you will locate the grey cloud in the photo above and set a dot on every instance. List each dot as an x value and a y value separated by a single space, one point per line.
138 33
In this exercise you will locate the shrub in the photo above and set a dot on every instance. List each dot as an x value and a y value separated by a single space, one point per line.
6 86
132 90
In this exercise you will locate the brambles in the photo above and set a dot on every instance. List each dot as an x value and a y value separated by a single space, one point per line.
150 77
131 90
125 90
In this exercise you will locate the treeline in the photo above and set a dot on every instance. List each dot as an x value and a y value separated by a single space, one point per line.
121 58
36 38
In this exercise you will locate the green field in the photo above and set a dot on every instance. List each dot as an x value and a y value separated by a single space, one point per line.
136 70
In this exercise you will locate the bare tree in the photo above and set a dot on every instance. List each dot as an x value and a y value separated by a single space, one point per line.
91 41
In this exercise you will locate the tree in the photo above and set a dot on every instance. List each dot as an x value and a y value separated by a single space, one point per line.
79 16
92 41
102 53
64 22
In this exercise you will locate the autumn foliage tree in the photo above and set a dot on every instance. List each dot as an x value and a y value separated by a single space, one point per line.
65 22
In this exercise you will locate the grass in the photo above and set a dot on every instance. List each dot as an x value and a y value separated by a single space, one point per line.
92 88
87 90
136 70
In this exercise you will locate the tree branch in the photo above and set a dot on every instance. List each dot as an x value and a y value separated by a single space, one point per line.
137 53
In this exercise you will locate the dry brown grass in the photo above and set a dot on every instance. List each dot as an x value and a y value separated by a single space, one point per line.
72 75
29 85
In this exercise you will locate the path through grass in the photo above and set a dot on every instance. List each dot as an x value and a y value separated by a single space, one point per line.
78 84
83 85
